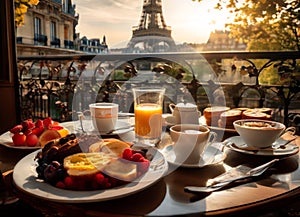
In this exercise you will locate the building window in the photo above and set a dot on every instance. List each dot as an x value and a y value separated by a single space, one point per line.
39 38
65 5
37 26
66 32
53 30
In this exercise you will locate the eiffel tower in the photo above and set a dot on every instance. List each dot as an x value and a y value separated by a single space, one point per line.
152 34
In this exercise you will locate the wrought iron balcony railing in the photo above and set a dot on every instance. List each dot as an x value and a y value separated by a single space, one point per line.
40 39
60 86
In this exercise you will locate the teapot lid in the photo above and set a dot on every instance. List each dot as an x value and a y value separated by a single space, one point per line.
186 106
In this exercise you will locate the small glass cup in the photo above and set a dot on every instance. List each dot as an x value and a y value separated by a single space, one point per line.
148 103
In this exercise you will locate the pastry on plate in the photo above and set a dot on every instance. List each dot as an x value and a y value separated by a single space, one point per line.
256 114
212 114
227 118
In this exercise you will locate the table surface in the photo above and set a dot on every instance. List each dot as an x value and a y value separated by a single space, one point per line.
167 197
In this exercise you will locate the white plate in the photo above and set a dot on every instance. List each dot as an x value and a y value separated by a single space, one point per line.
6 140
211 156
239 146
24 176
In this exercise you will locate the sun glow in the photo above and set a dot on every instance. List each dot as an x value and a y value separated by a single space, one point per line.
192 21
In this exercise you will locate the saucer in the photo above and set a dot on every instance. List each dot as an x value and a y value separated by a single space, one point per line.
236 143
121 128
211 156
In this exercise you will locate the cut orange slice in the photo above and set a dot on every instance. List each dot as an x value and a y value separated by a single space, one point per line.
63 132
47 136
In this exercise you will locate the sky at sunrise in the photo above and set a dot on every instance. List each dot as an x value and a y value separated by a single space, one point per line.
190 21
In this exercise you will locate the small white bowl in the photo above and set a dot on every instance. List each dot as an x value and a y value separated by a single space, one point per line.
259 133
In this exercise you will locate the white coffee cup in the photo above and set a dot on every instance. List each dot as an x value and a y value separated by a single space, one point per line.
104 116
190 142
260 133
185 113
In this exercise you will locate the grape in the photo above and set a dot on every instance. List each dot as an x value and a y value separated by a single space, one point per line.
63 140
51 154
40 170
50 173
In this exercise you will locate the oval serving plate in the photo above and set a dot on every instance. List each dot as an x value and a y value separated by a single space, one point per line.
6 140
24 176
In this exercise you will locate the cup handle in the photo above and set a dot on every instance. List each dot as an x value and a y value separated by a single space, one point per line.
81 116
212 137
289 129
171 107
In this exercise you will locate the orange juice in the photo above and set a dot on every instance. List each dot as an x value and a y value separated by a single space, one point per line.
148 120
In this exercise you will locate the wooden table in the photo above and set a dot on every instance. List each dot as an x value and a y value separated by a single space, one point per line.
167 197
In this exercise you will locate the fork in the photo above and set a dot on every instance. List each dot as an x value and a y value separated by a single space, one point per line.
255 172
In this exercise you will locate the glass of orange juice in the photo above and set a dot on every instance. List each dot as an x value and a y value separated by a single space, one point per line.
148 103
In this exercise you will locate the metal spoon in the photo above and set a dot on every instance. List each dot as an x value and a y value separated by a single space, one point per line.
284 144
255 172
120 128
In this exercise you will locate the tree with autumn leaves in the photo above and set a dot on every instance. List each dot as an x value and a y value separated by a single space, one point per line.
21 7
265 24
269 25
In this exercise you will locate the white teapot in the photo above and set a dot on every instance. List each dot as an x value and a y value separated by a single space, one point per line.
185 113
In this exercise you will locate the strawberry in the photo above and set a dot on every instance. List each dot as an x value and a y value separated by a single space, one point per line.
16 129
69 182
47 122
99 178
25 125
56 127
60 184
38 130
137 157
127 154
144 166
31 124
39 123
27 132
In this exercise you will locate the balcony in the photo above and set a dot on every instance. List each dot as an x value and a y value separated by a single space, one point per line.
69 44
55 42
60 86
40 39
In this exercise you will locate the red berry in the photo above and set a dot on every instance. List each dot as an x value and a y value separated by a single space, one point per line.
60 184
38 130
19 139
127 154
27 132
16 129
47 122
69 182
32 140
137 157
39 123
56 127
144 166
99 178
30 123
25 125
107 185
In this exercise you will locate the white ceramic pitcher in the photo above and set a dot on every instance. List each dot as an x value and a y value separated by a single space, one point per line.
185 113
